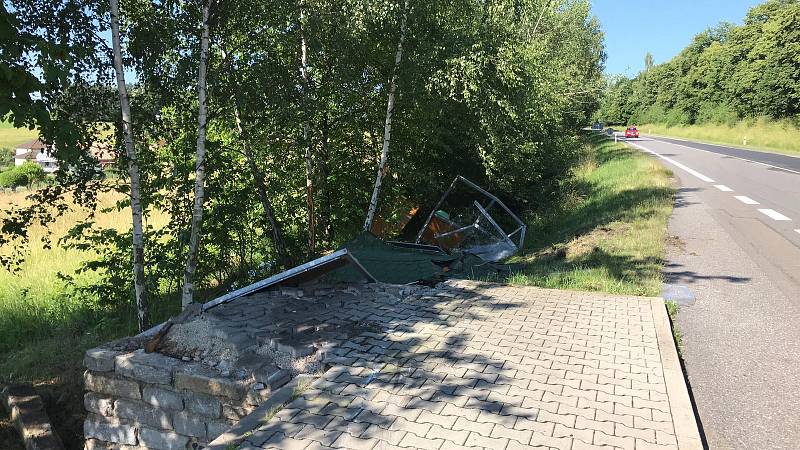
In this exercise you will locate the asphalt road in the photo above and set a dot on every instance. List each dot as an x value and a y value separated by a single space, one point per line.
734 241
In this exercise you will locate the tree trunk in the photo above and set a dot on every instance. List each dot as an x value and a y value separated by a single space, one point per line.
387 127
261 187
140 287
307 141
255 171
323 165
199 166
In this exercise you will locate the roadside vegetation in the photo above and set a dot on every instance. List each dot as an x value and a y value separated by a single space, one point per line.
780 136
608 233
730 82
256 136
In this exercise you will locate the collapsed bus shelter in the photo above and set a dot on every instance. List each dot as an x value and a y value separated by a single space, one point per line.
469 218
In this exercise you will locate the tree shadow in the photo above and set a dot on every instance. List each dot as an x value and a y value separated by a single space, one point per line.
599 210
424 353
673 275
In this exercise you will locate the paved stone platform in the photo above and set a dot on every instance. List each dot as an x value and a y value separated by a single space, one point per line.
479 365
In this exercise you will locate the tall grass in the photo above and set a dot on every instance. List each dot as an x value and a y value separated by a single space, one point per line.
39 308
609 234
781 136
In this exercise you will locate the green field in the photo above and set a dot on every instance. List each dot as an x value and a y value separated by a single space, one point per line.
10 137
774 136
609 234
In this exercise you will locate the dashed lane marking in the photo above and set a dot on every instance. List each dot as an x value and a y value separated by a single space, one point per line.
723 188
723 154
746 200
772 214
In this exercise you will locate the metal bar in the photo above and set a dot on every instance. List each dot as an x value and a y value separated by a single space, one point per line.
496 226
288 274
435 208
423 247
359 267
521 231
491 196
437 236
515 231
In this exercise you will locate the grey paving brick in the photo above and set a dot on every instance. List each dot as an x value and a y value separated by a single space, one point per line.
495 367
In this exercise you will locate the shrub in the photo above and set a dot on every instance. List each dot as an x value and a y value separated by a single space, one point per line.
13 178
24 175
717 113
32 172
676 116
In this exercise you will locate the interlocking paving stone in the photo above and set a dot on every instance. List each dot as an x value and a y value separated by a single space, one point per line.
479 365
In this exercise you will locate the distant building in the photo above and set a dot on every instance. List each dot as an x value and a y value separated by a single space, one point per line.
37 152
40 153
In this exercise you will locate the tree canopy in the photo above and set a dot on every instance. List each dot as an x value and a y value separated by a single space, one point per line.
726 74
296 107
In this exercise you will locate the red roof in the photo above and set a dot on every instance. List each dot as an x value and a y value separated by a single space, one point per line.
33 145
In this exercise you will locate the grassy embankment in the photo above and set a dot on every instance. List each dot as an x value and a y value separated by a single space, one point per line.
609 234
10 137
774 136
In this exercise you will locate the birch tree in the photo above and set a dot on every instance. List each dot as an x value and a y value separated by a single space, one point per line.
387 127
307 141
199 194
140 288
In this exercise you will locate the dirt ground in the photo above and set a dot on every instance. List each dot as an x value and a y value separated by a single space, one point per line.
63 399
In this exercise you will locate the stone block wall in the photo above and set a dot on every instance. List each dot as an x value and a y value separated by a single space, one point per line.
137 400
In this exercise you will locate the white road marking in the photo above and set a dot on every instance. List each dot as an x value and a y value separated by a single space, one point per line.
723 188
797 230
772 214
722 154
746 200
676 163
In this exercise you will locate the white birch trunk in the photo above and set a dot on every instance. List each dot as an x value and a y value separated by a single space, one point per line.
307 141
199 166
140 287
387 127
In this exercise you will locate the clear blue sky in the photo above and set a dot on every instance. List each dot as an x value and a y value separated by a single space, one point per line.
661 27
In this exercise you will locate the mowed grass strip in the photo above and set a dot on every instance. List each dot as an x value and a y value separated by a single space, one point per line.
780 136
609 233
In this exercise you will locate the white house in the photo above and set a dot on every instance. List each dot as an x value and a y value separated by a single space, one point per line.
40 153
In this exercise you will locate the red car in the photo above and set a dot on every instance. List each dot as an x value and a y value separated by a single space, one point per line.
631 132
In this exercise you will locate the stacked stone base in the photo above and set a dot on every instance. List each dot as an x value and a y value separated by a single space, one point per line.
138 401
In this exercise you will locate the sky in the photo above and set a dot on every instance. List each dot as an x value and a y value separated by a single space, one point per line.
661 27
